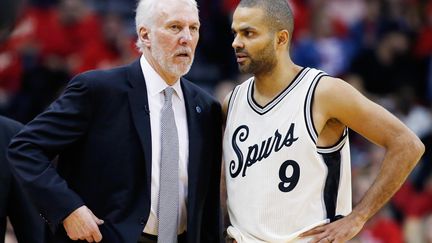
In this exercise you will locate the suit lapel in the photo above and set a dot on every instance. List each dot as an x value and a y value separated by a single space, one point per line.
140 112
193 112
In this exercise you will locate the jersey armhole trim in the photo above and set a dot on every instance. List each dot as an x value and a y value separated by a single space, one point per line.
337 147
308 107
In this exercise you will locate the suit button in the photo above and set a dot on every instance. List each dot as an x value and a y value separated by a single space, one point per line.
142 222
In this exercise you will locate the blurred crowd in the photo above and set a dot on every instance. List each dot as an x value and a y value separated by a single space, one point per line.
381 47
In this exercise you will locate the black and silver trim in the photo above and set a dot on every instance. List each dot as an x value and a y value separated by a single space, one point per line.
264 109
308 107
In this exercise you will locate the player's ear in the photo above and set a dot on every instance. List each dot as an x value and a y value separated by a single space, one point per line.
282 38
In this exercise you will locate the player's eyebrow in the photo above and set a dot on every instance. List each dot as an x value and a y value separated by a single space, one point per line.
242 29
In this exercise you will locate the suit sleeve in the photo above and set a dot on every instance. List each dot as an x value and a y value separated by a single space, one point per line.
32 150
212 223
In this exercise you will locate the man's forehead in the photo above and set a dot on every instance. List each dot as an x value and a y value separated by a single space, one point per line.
177 11
248 18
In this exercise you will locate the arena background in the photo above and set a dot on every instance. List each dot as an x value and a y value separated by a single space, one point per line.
381 47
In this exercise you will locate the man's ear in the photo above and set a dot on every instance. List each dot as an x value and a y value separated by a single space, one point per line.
283 38
144 36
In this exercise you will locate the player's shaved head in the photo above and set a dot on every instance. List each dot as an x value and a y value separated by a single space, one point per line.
278 14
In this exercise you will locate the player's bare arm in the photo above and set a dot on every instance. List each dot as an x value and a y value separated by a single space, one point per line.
337 104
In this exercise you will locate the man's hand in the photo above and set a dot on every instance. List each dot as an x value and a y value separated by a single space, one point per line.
339 231
82 224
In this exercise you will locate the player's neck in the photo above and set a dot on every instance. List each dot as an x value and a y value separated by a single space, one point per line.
269 85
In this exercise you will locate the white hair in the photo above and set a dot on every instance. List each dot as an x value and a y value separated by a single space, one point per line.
145 13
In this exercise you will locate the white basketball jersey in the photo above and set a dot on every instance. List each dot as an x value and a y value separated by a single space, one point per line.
279 182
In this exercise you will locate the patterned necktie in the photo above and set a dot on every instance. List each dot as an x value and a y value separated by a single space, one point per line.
169 179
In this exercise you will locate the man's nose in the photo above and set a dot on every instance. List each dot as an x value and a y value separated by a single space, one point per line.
185 36
237 43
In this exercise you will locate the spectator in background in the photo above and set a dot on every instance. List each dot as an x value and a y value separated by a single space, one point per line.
408 108
345 12
322 49
73 26
382 228
302 16
55 34
423 47
415 206
113 49
14 202
10 74
45 49
364 32
387 68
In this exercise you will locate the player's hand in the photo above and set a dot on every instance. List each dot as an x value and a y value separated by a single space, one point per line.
82 224
339 231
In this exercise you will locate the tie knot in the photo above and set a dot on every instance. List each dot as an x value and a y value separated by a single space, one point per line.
168 92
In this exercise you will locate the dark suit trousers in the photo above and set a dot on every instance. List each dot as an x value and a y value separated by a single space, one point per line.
146 238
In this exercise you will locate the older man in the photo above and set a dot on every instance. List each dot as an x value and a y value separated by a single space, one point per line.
139 147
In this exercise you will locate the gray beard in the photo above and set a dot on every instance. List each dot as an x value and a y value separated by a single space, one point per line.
175 70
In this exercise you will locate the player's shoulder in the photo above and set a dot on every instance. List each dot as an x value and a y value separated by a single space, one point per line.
231 96
329 86
241 88
334 95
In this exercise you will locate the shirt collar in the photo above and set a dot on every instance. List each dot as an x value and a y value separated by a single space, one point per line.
154 82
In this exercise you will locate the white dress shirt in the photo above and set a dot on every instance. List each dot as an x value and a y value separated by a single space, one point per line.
155 87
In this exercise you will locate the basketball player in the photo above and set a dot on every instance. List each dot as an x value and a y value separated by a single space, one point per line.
286 147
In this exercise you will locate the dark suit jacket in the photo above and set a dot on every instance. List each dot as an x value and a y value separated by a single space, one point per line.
14 203
100 128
